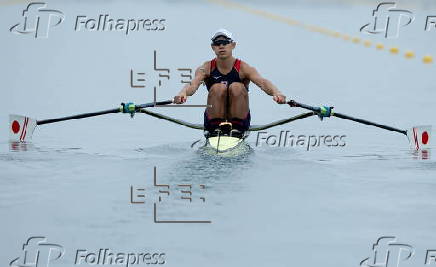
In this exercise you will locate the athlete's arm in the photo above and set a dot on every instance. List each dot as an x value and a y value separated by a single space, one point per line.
264 84
190 89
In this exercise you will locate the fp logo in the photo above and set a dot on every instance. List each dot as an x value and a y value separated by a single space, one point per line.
388 20
388 253
38 253
38 20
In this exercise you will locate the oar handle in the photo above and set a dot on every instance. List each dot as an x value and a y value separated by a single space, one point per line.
149 105
294 103
322 112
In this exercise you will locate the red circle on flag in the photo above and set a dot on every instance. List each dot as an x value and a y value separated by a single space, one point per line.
15 127
424 138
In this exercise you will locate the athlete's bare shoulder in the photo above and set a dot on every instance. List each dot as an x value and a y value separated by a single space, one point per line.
246 70
205 68
244 65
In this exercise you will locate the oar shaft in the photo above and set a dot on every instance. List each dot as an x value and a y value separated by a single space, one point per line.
366 122
293 103
79 116
103 112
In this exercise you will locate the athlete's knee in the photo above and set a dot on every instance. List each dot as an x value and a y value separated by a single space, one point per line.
237 89
218 90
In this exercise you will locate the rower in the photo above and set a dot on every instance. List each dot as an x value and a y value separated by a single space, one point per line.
227 79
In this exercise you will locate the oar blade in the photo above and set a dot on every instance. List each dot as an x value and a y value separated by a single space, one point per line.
420 137
21 128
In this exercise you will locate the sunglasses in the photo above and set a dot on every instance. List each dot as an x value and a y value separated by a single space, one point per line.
221 42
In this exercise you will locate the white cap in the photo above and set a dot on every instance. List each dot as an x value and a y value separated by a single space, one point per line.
222 32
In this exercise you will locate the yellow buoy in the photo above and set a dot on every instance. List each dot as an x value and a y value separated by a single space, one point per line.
356 40
394 50
409 54
346 37
379 46
427 59
367 43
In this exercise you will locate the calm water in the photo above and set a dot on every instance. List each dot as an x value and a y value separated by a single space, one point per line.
269 206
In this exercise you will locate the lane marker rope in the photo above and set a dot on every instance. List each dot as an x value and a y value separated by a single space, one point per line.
426 59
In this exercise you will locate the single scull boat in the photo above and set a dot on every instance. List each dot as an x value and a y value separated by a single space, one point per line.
224 139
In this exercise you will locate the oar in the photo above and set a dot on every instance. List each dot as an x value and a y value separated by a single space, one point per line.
328 111
21 127
419 136
124 108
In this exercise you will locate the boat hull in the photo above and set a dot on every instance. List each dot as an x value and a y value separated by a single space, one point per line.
224 143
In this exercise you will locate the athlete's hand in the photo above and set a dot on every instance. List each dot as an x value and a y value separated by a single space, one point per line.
180 99
279 98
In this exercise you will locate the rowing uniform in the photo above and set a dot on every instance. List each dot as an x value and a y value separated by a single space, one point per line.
217 77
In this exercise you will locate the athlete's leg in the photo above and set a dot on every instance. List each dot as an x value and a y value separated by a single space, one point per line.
217 98
238 101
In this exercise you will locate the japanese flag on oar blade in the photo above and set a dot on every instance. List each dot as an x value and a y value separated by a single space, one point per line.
21 128
420 137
